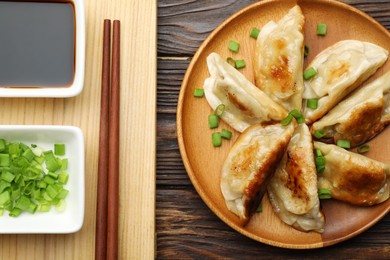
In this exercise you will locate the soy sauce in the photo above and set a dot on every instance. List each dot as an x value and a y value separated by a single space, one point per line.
37 43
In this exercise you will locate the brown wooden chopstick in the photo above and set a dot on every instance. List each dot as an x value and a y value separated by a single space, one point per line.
101 204
113 158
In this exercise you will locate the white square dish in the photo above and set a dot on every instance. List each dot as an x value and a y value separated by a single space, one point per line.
42 46
72 218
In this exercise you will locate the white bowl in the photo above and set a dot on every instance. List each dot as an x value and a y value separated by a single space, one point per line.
72 218
76 86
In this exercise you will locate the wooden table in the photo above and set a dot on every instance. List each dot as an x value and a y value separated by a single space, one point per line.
185 226
137 142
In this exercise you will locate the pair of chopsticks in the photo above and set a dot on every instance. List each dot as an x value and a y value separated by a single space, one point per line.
106 240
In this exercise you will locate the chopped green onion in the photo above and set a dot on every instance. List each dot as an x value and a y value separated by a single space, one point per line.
298 116
320 169
231 61
324 194
59 149
63 178
319 134
25 184
320 161
312 103
226 134
364 148
321 29
254 33
309 73
213 121
287 120
219 110
260 208
233 46
318 152
199 92
239 64
2 145
344 144
306 51
216 139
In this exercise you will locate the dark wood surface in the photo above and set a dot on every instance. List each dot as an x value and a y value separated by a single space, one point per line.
186 227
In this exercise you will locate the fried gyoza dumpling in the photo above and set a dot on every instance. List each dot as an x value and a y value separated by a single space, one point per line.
340 69
250 165
361 116
245 104
278 62
293 188
352 177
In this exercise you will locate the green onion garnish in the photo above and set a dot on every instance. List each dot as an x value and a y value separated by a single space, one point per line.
318 152
309 73
59 149
25 184
320 160
233 46
199 92
298 116
239 64
324 194
231 61
216 139
312 103
321 29
364 148
226 134
213 121
219 110
344 144
287 120
260 208
306 51
254 33
319 134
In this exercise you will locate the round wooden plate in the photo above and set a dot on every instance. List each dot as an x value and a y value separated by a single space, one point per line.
203 162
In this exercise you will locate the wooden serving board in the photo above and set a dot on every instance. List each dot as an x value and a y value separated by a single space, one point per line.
137 141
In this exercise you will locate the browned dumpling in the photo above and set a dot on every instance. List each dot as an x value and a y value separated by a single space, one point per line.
250 165
293 188
353 178
278 60
361 116
340 68
245 104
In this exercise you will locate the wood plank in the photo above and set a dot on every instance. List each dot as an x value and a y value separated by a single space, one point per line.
137 151
183 25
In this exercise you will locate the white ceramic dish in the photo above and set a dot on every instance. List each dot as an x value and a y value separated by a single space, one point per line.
72 218
76 86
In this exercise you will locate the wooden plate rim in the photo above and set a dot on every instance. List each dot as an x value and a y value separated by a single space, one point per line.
182 147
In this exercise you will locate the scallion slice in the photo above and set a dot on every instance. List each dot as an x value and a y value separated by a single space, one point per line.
239 64
219 110
213 121
321 29
287 120
309 73
254 33
312 103
324 194
233 46
216 139
306 51
198 92
226 134
344 144
364 148
298 116
319 134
